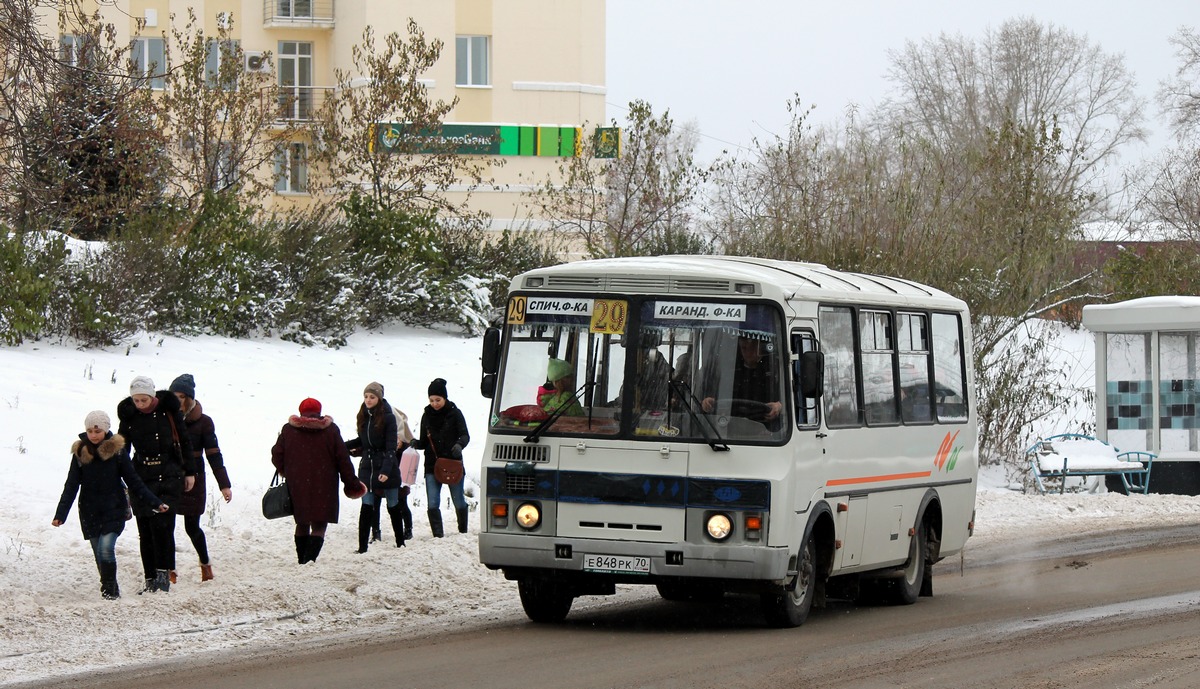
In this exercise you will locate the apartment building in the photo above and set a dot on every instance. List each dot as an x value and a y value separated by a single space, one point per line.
530 70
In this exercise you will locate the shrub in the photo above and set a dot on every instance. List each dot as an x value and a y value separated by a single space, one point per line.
34 262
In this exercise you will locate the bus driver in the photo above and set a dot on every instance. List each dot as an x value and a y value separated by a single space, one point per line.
753 379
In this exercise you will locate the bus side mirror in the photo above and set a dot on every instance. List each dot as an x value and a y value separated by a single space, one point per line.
491 351
811 373
490 361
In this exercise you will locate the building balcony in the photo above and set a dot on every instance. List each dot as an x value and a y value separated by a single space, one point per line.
297 103
298 14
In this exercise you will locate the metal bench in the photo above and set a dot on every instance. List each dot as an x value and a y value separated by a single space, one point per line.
1054 459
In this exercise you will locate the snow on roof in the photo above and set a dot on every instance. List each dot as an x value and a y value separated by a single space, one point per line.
1172 312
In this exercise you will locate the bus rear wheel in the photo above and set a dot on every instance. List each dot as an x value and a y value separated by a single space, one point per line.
543 601
906 588
790 608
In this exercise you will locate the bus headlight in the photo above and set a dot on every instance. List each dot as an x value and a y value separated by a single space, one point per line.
719 526
528 515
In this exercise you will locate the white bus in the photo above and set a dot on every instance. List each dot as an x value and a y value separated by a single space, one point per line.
720 425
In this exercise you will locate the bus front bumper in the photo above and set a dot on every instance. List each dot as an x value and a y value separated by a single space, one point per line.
731 562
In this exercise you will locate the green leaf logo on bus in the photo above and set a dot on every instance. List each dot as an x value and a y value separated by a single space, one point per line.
947 454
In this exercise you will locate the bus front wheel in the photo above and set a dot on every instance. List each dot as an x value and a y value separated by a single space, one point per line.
790 607
543 601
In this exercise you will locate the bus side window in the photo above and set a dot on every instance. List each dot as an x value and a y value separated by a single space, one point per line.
841 376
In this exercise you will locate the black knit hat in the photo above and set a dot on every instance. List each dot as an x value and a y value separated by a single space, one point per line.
185 384
438 387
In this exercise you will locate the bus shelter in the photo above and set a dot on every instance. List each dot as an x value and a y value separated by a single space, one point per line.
1147 368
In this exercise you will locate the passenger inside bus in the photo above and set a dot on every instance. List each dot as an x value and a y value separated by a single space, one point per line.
653 373
560 373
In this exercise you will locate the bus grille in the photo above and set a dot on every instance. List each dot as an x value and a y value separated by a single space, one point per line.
520 453
519 484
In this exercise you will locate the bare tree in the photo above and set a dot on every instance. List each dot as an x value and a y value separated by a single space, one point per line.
381 130
955 90
1179 97
641 203
78 146
225 122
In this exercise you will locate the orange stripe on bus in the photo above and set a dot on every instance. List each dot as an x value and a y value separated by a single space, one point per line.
876 479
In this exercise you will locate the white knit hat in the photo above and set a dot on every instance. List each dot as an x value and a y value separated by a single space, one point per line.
142 385
97 419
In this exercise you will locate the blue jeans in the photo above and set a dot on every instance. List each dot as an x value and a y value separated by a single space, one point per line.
433 494
392 495
104 547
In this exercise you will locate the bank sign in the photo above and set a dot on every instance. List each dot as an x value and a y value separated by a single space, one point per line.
497 140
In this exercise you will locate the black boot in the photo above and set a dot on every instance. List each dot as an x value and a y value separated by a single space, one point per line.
162 580
376 533
397 524
406 517
147 586
314 547
365 516
302 549
435 522
108 581
461 513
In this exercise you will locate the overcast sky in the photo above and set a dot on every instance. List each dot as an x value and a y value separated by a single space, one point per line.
732 66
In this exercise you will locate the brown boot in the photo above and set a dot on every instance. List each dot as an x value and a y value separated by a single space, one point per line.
206 572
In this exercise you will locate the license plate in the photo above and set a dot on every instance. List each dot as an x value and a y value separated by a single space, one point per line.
616 563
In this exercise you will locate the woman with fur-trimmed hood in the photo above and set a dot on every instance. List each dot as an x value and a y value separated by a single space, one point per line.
99 471
311 456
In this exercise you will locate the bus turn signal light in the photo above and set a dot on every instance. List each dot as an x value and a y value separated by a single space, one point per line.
499 514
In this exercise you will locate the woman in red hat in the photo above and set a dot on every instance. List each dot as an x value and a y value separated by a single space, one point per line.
310 454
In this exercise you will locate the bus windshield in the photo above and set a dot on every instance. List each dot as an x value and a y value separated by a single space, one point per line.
696 371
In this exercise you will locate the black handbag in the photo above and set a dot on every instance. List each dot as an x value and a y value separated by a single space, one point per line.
277 501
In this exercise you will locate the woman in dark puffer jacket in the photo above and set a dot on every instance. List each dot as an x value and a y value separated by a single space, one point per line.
152 422
379 468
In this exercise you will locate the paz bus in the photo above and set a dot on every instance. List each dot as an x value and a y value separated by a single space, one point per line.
715 425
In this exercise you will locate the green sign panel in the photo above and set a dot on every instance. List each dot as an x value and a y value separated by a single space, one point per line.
499 139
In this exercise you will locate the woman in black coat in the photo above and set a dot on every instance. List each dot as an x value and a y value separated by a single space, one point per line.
152 422
100 469
379 467
202 435
443 433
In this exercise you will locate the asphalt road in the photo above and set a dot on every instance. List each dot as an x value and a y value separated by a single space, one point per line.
1113 610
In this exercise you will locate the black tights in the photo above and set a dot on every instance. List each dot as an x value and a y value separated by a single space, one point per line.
311 529
191 525
156 541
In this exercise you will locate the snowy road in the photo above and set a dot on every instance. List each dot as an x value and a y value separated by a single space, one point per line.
1117 609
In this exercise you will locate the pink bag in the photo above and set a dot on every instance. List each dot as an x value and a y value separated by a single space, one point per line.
410 459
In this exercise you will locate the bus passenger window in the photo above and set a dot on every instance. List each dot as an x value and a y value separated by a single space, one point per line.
912 344
841 377
879 385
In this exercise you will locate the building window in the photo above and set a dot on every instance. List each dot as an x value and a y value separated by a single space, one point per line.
148 61
299 9
472 61
295 80
291 169
220 53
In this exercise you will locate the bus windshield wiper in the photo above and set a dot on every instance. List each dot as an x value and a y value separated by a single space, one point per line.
562 408
690 403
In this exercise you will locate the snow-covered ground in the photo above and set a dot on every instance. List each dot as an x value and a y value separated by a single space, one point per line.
53 621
